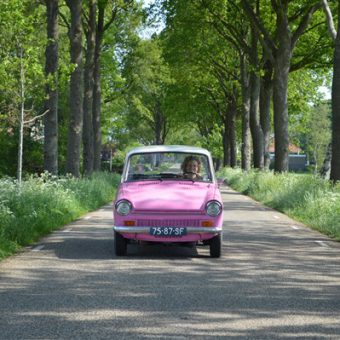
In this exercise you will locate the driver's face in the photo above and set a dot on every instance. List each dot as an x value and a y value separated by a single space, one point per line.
192 166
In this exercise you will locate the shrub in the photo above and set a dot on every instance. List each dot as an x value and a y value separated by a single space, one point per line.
44 203
305 197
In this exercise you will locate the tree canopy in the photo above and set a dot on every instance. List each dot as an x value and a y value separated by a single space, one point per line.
232 76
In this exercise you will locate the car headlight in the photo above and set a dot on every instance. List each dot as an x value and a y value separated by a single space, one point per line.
213 208
123 207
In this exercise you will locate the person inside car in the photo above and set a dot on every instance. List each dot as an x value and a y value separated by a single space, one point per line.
191 168
139 169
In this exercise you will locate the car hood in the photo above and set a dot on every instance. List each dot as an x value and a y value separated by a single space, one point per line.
167 195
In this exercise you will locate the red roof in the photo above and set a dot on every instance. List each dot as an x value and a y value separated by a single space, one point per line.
292 148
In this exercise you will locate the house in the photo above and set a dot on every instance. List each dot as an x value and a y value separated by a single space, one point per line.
297 160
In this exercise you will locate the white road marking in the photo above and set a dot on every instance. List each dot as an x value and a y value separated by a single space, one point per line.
322 244
294 227
38 248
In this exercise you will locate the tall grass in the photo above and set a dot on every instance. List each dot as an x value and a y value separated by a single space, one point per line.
306 198
44 203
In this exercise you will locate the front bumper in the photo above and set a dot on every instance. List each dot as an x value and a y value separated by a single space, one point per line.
146 230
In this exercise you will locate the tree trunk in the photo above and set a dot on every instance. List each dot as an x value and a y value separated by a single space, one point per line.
280 119
97 93
256 131
76 90
254 113
280 52
21 117
217 164
51 71
232 128
226 140
335 165
265 100
280 94
245 150
88 141
159 124
158 129
232 135
326 167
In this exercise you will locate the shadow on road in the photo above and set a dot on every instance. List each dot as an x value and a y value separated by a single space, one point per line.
271 283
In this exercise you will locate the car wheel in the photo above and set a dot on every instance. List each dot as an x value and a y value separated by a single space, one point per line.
120 244
216 246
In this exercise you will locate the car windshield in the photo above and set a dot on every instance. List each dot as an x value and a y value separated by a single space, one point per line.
168 166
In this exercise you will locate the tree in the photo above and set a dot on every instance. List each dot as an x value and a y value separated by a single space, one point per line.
116 23
96 106
254 112
21 75
110 13
76 89
335 165
335 151
291 23
148 78
88 128
51 71
319 134
205 72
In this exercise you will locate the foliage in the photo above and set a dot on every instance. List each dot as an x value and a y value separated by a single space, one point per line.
188 70
307 198
21 46
44 203
119 39
148 77
204 69
20 68
319 133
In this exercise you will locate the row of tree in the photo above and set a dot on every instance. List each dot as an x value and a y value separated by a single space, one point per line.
232 76
252 49
51 69
86 19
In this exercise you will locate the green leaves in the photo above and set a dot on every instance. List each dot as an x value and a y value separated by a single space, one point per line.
148 80
18 22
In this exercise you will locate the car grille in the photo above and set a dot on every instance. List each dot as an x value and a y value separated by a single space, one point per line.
168 223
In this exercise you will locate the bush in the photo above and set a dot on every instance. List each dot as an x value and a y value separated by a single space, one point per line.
44 203
305 197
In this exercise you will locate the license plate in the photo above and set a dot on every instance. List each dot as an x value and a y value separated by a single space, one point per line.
168 231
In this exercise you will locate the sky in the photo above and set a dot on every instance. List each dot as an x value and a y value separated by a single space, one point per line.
326 92
147 32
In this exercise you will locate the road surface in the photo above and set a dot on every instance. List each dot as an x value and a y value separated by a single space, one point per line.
276 280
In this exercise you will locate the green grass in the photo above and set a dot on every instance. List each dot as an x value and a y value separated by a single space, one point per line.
45 203
304 197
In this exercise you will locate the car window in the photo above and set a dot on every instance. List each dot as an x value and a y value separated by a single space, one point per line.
164 166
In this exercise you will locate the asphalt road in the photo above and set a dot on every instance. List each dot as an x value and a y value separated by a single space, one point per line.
276 280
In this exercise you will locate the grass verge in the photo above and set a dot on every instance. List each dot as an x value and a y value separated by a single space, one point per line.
45 203
304 197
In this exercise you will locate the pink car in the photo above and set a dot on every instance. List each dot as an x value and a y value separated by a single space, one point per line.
168 194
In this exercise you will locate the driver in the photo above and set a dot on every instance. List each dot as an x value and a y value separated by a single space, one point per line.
191 168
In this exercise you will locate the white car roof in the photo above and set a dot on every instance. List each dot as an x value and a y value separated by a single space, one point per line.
168 148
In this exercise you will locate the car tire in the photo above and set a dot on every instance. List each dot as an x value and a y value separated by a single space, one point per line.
120 244
216 246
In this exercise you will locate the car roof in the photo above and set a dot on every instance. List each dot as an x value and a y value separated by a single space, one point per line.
168 148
